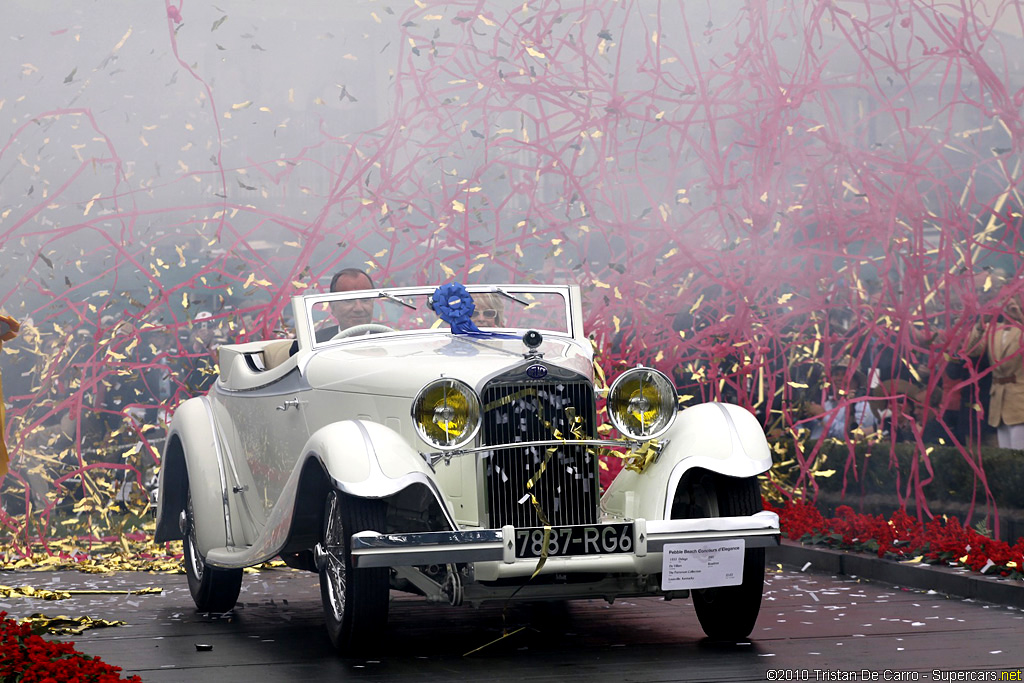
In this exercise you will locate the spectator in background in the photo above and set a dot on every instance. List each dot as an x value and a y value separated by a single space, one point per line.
201 349
8 331
156 384
999 340
988 282
846 412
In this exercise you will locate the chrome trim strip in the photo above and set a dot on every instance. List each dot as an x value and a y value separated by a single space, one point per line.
262 388
368 540
753 540
376 550
437 456
228 534
485 545
255 521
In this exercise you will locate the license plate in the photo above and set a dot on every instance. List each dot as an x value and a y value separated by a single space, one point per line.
563 541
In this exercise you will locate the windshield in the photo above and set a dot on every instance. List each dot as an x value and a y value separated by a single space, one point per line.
345 315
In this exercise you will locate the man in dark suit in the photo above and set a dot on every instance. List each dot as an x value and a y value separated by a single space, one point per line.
348 313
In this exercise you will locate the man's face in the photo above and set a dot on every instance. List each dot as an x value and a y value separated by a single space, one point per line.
352 313
1013 309
202 332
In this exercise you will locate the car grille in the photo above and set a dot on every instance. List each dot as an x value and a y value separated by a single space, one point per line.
567 489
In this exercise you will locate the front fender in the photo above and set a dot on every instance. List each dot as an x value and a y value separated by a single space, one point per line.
193 461
368 460
360 459
719 437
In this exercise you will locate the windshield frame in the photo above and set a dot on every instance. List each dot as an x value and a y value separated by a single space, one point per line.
303 307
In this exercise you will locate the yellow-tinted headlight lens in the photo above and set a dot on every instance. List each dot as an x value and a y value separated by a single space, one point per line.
446 413
642 403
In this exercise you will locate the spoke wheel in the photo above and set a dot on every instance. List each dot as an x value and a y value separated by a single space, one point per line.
355 600
725 612
212 589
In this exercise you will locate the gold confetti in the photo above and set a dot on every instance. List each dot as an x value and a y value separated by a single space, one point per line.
68 626
124 39
88 206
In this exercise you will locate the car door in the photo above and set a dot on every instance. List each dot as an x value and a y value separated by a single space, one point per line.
269 432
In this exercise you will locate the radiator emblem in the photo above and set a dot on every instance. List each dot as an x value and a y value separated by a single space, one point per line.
536 372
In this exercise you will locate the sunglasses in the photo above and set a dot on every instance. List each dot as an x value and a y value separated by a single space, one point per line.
489 313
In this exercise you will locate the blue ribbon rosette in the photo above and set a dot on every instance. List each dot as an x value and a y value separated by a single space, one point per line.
454 305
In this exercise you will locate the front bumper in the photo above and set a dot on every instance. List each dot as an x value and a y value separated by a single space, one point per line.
372 549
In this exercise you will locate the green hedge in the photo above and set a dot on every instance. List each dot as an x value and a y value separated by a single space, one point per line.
879 466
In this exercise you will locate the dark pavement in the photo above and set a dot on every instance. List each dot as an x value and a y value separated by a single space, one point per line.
813 625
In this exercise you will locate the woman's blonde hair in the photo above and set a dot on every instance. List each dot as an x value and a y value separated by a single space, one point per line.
486 301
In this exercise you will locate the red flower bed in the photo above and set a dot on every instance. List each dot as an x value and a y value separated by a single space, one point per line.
27 658
943 540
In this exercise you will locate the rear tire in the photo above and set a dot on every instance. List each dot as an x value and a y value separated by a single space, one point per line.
212 589
725 612
355 600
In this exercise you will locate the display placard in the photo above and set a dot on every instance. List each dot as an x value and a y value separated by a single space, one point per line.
702 565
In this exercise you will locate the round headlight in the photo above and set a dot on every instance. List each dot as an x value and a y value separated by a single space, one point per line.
446 413
642 403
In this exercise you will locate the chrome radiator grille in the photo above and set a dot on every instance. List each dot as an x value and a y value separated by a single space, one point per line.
567 489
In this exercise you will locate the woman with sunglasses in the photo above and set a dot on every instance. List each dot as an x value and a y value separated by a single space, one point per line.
488 311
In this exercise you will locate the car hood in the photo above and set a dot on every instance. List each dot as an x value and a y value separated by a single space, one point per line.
401 365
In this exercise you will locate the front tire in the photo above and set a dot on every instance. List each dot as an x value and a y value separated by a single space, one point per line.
725 612
212 589
355 600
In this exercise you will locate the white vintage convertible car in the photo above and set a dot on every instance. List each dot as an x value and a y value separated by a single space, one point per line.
427 454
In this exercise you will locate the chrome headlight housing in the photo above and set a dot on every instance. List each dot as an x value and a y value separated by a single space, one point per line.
446 413
642 403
